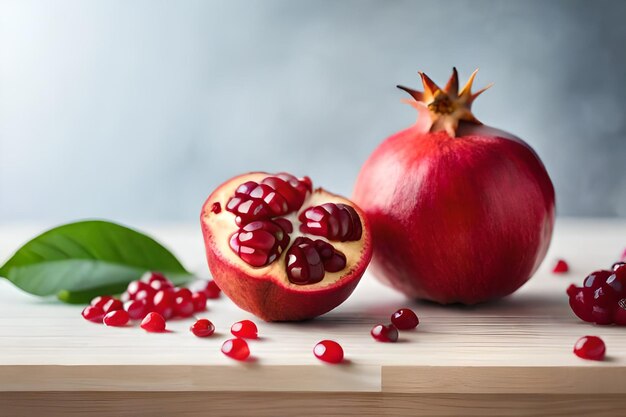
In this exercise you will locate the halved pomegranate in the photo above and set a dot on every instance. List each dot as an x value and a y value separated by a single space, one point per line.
280 249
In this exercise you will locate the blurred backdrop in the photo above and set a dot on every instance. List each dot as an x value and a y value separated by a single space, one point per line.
136 110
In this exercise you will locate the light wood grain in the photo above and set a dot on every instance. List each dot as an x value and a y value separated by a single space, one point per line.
520 347
231 404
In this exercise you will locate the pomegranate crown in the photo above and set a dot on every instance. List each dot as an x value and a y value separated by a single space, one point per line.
447 106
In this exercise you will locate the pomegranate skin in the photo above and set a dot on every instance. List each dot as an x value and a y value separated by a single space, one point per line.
267 297
462 219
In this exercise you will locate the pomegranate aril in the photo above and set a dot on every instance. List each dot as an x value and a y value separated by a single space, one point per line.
581 302
596 279
338 222
384 333
202 328
161 285
328 351
405 319
164 303
244 329
199 301
135 286
153 323
571 290
560 267
212 290
619 313
183 307
617 265
260 242
100 301
93 313
590 347
236 348
117 318
333 260
153 276
136 309
112 305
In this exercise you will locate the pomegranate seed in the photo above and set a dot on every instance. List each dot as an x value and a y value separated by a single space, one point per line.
383 333
100 301
153 323
590 347
405 319
202 328
183 307
617 265
245 329
328 351
93 313
116 318
571 290
581 303
112 305
124 297
136 309
135 286
560 267
236 348
184 293
152 276
260 242
596 279
619 313
212 290
161 285
216 208
164 303
199 301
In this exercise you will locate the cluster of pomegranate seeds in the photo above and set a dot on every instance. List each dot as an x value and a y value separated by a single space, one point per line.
152 293
308 260
202 328
263 233
244 329
236 348
560 267
328 351
403 319
602 298
590 347
337 222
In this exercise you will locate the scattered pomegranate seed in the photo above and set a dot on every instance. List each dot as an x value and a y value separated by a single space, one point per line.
116 318
112 305
245 329
590 347
136 309
93 313
383 333
199 301
100 301
211 290
236 348
405 319
216 208
560 267
571 290
328 351
164 303
135 286
153 323
202 328
161 285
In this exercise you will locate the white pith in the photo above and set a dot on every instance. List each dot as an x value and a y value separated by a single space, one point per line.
222 225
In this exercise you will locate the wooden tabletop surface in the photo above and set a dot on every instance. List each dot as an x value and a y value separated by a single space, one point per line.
520 346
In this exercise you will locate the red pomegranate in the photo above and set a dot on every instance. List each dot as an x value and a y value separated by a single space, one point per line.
282 250
460 212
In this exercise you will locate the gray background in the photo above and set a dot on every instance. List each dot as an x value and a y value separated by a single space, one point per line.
136 110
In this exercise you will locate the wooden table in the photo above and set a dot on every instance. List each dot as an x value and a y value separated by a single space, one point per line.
512 357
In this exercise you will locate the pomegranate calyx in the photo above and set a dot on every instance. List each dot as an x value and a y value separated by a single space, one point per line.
447 106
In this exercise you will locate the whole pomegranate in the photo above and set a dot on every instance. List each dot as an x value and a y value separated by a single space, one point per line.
460 212
280 249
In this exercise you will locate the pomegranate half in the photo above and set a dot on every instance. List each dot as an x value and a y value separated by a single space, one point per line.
280 249
460 212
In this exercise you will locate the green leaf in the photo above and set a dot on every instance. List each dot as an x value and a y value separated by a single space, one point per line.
81 259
